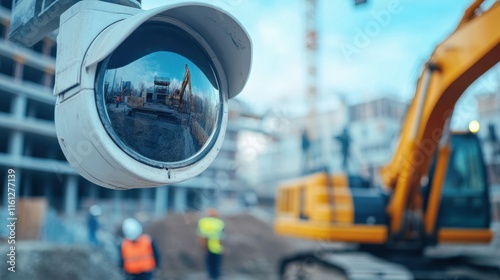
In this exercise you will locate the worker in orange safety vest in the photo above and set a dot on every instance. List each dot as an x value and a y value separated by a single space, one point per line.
139 256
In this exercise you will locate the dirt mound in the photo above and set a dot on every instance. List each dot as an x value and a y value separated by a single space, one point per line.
251 247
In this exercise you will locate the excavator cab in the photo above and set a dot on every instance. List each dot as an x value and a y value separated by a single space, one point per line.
329 207
464 208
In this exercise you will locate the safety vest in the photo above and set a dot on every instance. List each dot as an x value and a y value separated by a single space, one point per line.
211 229
138 255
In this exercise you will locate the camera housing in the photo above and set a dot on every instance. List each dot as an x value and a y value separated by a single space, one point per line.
142 95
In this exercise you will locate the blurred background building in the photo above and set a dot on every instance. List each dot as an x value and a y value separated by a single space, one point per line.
275 153
373 127
488 106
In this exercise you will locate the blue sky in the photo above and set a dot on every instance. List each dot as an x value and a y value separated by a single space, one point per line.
373 50
163 64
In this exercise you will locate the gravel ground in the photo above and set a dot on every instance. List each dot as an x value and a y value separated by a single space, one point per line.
154 137
42 261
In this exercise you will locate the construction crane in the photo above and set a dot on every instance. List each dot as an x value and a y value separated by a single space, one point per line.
435 188
312 131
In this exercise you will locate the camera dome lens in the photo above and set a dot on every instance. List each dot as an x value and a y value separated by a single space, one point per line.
158 97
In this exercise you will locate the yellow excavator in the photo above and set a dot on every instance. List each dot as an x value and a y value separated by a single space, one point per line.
179 94
435 188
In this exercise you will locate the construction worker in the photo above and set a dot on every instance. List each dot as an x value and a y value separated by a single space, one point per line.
139 256
93 223
210 234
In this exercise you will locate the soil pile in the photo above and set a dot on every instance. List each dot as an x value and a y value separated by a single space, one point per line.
251 247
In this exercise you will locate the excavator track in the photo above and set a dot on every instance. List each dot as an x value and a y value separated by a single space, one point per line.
356 265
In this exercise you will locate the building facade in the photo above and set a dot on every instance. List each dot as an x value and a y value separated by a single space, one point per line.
488 107
374 128
277 151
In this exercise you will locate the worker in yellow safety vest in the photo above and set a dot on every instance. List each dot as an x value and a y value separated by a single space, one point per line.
139 256
210 230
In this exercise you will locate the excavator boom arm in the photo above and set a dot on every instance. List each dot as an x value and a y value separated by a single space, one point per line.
471 50
185 82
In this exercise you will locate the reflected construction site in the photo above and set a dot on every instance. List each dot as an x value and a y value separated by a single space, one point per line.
163 118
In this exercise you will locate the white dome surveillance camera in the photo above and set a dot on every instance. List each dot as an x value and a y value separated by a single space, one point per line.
142 95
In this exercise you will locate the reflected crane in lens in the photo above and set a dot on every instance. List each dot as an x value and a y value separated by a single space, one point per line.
186 82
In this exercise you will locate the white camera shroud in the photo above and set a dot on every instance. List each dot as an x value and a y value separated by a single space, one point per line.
90 31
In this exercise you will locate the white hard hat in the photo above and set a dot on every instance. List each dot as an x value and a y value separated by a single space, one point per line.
95 210
131 228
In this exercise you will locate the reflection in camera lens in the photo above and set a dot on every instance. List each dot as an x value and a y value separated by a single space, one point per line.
158 102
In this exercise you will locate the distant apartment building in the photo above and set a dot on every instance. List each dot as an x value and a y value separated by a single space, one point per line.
28 143
277 148
488 107
374 127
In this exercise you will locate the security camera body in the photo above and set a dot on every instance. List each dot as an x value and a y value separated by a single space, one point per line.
89 33
79 27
